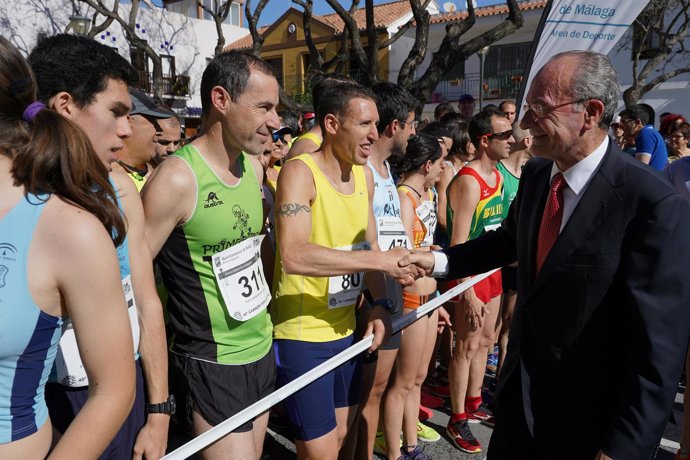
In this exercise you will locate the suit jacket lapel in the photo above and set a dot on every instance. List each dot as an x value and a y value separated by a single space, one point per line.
586 218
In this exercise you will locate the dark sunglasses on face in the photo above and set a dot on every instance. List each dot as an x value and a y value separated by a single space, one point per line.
502 136
278 137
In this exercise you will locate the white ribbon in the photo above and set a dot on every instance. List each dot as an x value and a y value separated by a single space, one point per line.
261 406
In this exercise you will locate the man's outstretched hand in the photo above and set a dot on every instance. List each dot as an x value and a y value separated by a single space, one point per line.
421 262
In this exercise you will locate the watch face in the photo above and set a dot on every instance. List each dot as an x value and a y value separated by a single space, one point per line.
173 404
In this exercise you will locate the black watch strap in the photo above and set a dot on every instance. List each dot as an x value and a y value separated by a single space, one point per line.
167 407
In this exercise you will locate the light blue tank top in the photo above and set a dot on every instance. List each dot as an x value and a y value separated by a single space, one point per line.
386 201
386 204
28 336
68 369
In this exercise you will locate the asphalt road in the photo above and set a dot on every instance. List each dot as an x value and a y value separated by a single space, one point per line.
278 447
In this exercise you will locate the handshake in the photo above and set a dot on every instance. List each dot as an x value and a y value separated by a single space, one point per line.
407 266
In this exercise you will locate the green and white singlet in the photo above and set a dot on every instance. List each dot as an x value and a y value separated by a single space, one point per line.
223 217
510 187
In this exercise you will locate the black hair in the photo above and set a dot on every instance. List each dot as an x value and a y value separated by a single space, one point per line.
635 112
230 70
443 109
291 119
50 153
337 96
460 136
452 117
437 129
420 149
394 103
319 81
480 124
77 65
651 114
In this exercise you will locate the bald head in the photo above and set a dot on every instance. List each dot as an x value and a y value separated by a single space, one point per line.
520 134
168 138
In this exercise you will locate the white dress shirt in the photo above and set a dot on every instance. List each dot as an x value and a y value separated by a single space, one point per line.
577 179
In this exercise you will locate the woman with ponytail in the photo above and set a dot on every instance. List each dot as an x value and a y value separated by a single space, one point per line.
58 225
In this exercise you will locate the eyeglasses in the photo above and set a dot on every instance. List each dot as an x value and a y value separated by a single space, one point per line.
540 110
502 136
413 124
278 137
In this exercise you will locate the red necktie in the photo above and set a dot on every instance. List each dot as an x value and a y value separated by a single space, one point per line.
551 220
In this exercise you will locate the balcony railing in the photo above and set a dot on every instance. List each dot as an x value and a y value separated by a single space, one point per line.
503 86
173 85
297 84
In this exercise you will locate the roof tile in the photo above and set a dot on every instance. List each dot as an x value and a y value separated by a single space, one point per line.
493 10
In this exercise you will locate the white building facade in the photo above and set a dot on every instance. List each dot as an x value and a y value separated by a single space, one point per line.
185 44
505 62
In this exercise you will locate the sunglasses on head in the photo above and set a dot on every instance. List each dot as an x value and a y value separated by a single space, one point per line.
502 136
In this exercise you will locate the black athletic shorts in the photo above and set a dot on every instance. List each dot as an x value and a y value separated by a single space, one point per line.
219 391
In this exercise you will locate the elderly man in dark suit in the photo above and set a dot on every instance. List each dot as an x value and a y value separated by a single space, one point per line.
602 243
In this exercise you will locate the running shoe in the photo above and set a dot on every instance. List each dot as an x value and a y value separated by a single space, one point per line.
425 413
461 435
428 400
426 433
380 444
482 415
416 454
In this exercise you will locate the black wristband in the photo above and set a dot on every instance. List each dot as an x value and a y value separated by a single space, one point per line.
167 407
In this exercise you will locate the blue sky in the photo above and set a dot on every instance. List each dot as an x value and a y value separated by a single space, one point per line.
276 8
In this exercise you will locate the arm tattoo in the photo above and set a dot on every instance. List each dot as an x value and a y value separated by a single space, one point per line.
292 209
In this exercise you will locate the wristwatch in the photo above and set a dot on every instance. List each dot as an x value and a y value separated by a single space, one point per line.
167 407
387 304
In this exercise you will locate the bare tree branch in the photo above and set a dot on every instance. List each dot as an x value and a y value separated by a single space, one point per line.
353 30
315 59
399 33
670 53
219 14
252 21
418 52
129 27
452 51
372 49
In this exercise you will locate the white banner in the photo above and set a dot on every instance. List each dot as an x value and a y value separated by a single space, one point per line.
579 25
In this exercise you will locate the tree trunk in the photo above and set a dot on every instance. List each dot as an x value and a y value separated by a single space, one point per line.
631 96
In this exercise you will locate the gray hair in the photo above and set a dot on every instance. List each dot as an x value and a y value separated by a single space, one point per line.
595 78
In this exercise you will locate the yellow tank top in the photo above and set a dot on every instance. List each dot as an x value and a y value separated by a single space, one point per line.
309 308
315 138
274 183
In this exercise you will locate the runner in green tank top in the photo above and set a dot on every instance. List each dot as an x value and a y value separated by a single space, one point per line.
204 215
223 216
